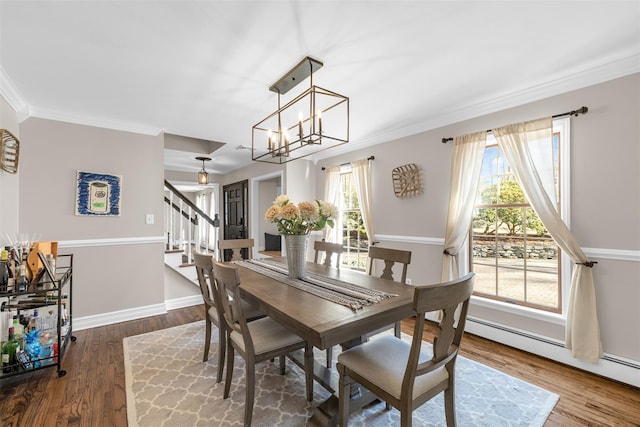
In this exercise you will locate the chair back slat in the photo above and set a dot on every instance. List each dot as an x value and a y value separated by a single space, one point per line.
329 250
236 246
204 269
227 281
452 298
390 257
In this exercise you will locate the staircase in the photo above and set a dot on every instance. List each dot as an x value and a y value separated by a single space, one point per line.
184 233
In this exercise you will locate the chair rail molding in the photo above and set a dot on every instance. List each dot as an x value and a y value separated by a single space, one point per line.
118 241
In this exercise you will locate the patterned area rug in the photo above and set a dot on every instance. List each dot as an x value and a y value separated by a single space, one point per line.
169 385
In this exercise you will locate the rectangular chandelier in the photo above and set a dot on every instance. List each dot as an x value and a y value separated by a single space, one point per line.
315 120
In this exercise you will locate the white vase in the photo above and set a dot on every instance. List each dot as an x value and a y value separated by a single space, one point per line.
296 245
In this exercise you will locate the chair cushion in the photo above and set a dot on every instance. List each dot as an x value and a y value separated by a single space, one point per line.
267 335
272 242
383 362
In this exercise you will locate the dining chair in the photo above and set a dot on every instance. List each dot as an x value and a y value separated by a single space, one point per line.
390 257
256 341
404 374
213 309
236 246
329 250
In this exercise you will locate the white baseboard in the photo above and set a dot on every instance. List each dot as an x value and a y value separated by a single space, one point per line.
611 366
112 317
183 302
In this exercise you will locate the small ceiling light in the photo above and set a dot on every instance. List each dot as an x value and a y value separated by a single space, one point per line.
311 122
203 176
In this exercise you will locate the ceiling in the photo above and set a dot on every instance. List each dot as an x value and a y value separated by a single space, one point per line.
202 69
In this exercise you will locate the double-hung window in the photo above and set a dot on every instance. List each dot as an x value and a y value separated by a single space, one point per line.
354 239
514 257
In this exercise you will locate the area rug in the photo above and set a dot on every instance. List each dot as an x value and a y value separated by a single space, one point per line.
169 385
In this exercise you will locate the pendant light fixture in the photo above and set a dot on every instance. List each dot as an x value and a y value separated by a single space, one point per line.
313 121
203 176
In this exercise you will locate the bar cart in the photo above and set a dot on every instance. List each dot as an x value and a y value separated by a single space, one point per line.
51 292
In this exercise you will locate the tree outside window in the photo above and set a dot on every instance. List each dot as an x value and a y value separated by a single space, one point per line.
513 255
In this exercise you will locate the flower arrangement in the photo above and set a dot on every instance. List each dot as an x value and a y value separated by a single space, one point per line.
301 218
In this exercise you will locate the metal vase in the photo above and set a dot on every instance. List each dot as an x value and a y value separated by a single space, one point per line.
296 245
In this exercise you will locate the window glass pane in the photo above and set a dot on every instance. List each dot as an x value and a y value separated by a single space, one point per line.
513 256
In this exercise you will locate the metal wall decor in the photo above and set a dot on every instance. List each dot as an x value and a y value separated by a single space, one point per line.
313 121
9 151
407 181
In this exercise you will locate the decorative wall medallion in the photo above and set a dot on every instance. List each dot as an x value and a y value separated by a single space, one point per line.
9 151
407 181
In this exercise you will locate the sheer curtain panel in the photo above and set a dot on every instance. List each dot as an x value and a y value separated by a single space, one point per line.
524 146
332 195
361 171
466 163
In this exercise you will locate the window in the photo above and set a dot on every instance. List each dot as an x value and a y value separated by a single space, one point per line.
514 257
355 242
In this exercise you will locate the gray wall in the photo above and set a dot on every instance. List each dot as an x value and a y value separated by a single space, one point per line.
118 264
605 203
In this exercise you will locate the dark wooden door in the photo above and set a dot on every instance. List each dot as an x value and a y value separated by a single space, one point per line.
236 213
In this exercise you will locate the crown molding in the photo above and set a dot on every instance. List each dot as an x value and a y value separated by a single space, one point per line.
12 95
99 122
597 74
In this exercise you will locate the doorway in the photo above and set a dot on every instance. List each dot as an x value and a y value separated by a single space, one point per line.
236 214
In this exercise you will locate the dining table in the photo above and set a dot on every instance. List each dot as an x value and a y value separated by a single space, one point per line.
325 321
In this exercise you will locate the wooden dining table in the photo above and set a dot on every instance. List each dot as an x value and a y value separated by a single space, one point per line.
324 323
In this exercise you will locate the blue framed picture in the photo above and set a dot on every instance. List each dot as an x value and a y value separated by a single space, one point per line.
98 194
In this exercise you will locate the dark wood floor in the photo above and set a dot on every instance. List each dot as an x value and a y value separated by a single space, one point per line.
92 393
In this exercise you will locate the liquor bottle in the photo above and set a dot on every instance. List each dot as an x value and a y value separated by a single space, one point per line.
9 350
34 323
4 271
18 330
21 282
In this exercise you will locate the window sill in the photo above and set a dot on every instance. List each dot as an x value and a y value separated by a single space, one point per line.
519 310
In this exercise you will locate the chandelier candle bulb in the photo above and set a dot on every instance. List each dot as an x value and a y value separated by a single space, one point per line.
319 114
300 126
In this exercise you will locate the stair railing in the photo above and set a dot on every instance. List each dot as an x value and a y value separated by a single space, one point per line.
182 219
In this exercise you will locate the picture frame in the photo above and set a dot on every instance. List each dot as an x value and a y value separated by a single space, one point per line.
98 194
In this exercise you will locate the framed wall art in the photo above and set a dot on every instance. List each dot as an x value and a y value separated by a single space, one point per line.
98 194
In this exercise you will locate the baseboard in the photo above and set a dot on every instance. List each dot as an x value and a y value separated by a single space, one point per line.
189 301
614 367
112 317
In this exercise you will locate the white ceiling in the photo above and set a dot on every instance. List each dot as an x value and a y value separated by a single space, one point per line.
202 69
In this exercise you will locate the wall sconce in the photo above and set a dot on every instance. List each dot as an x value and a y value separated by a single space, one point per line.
203 176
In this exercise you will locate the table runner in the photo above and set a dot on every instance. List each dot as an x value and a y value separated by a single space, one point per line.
334 290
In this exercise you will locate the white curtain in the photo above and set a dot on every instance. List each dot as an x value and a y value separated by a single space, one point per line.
468 151
526 146
361 171
332 195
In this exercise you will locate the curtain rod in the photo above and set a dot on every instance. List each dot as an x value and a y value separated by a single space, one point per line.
581 110
348 163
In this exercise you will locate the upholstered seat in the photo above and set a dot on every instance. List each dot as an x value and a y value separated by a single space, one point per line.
213 312
257 341
405 375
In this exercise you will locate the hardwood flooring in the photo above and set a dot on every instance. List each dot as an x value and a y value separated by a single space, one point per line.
92 393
